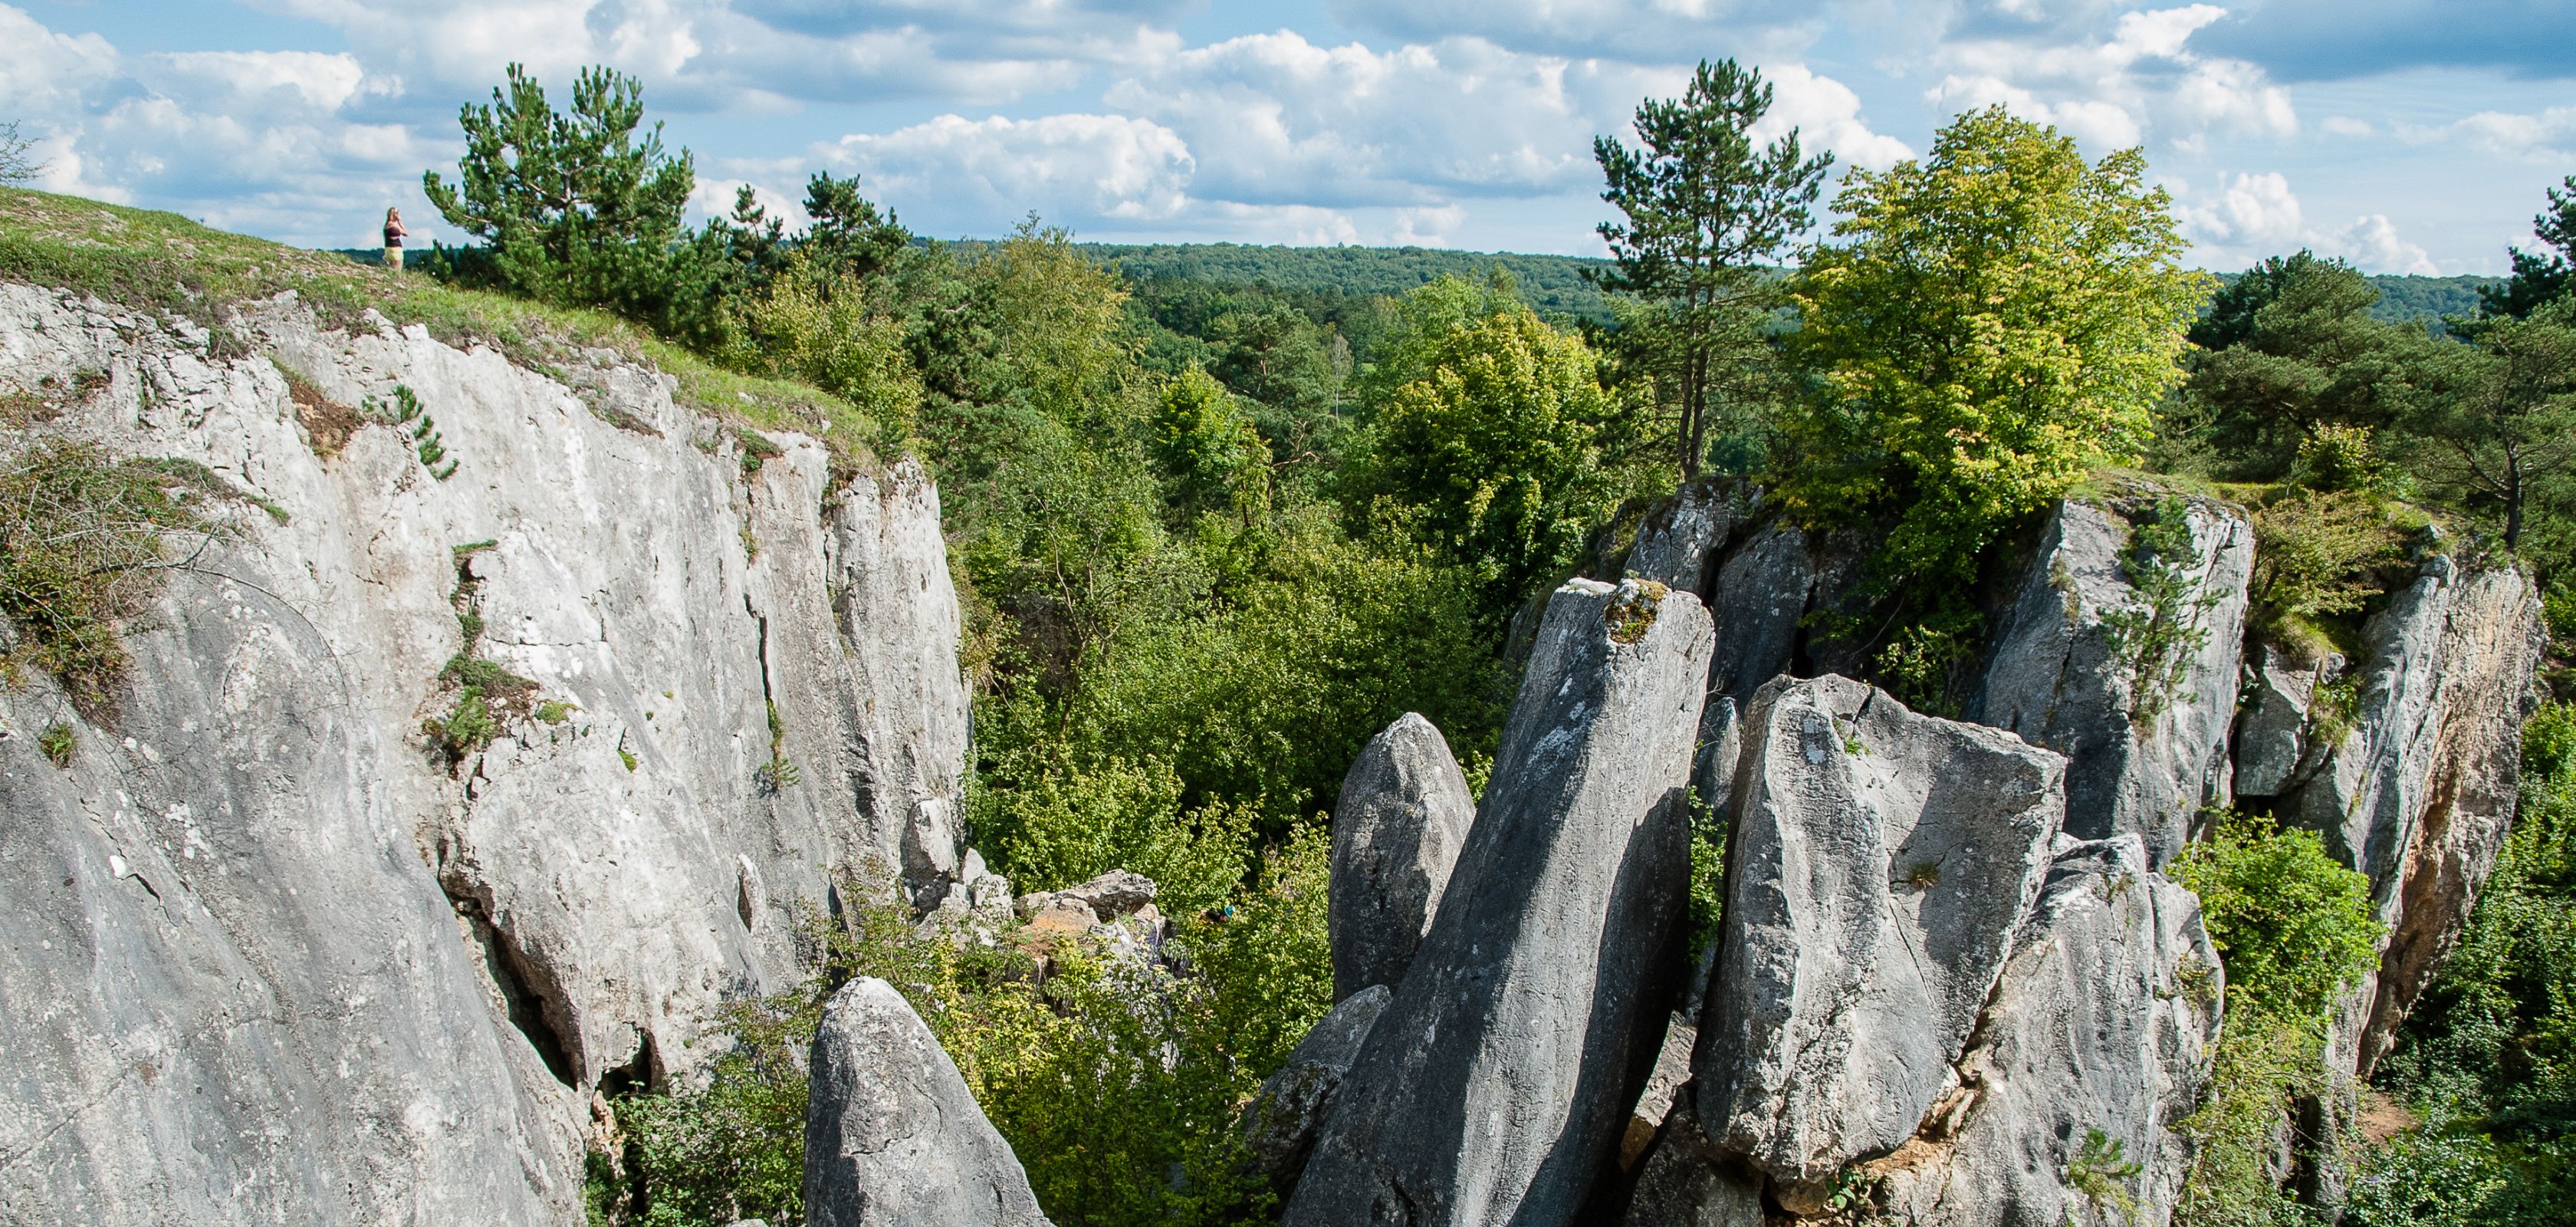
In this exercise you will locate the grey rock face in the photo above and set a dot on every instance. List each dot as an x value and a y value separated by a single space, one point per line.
2272 732
478 945
1281 1121
1881 861
2104 1020
1761 594
1688 1183
2418 795
1681 542
2064 674
1402 816
1496 1084
892 1136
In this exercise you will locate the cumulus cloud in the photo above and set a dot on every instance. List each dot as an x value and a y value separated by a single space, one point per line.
2548 138
1275 119
276 142
1642 30
2254 215
762 54
991 172
2115 87
1826 114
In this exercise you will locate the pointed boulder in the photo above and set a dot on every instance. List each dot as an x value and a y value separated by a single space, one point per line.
1403 814
892 1136
1498 1081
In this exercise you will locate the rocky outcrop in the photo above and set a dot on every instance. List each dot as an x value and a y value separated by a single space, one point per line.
262 875
2274 750
1681 540
2136 687
2419 792
1403 814
892 1136
1880 863
1280 1123
1497 1082
2097 1041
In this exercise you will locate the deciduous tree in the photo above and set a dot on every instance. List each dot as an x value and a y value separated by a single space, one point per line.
1999 317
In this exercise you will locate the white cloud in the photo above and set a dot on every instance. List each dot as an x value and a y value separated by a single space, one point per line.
994 171
1827 115
760 54
2345 125
2256 214
2548 138
1651 31
2116 88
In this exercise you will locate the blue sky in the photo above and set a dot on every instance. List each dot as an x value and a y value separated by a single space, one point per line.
2405 135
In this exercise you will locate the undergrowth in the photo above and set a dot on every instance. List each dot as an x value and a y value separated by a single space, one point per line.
85 541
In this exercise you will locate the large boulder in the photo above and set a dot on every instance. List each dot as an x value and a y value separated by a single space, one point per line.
892 1136
1280 1123
1687 1182
2098 1037
2138 693
1497 1083
1880 863
2420 790
1403 814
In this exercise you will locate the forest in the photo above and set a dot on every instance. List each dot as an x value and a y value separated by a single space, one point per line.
1218 514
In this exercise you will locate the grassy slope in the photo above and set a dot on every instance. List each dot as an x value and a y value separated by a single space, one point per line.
162 261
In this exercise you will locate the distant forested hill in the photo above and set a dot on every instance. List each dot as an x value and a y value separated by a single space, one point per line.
1553 284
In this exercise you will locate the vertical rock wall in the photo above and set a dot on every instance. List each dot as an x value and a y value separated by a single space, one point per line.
268 957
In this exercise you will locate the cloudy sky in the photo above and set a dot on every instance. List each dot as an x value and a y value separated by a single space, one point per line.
2406 135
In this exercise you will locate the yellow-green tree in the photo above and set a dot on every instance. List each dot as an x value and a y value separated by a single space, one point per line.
1993 321
1497 434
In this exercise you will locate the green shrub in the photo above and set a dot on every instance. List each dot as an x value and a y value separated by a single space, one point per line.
2263 1064
1116 1083
1056 823
2314 557
2291 923
82 549
2153 641
2294 929
57 743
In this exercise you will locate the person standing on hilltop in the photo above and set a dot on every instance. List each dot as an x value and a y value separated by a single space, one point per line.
394 233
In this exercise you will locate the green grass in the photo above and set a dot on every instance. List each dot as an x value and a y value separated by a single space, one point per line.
156 261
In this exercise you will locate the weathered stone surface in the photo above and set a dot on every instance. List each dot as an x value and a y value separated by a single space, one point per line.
605 880
1761 594
1403 814
892 1136
2104 1020
2272 731
1881 861
2419 793
2065 676
1280 1123
1687 1182
1681 542
1671 1075
1111 895
1496 1084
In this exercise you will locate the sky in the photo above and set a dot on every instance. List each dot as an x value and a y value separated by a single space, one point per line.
2407 136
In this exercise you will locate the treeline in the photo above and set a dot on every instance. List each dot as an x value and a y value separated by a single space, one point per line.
1220 514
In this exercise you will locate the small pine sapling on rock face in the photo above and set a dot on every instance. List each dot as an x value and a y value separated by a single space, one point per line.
405 411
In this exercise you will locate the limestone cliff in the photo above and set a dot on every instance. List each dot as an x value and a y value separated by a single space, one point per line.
269 953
